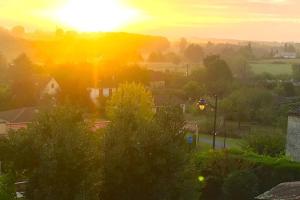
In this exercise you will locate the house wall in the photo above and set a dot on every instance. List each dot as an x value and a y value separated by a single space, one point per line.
51 88
293 138
3 129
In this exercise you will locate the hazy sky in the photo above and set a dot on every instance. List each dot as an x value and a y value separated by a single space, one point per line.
236 19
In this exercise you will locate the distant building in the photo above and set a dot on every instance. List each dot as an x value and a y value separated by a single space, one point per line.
46 86
96 93
293 135
286 55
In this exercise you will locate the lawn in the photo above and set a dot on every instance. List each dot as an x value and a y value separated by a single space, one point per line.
272 68
205 142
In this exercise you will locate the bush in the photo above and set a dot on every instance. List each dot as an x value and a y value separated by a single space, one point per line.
240 185
271 144
217 167
7 189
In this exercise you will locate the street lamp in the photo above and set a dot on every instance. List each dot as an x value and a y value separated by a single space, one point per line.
202 104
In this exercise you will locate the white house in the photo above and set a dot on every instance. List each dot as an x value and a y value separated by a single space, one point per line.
47 86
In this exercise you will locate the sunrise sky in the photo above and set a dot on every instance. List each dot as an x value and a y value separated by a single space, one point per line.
227 19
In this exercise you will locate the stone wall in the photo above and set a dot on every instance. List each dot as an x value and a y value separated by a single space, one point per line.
293 138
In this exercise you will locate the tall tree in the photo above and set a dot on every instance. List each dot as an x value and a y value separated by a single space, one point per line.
218 75
22 80
194 53
58 154
144 155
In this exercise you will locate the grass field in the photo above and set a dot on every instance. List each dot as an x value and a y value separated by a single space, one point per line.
205 142
275 69
273 66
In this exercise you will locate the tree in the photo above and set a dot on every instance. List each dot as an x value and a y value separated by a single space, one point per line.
59 155
250 104
22 81
132 100
144 155
156 57
218 75
5 97
3 68
194 53
296 72
182 44
193 90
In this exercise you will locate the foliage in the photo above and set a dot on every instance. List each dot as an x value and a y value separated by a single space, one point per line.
144 161
132 103
21 76
271 144
296 72
215 166
285 89
58 154
249 104
5 96
240 185
7 189
194 53
218 165
218 75
193 90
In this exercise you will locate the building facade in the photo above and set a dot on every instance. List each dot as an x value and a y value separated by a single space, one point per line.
293 136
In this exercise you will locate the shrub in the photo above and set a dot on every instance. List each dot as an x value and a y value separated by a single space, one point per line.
7 190
271 144
218 166
215 166
240 185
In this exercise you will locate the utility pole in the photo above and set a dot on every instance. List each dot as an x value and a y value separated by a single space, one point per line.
215 122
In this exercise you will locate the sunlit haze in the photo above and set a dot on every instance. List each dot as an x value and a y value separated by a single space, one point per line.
238 19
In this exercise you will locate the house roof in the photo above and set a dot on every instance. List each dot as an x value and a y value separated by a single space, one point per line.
26 114
283 191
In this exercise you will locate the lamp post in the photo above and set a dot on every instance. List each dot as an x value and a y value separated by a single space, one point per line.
202 104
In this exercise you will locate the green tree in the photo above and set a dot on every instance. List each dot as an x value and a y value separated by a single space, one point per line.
296 72
218 75
3 68
59 155
22 81
194 53
144 155
5 97
271 144
132 100
193 90
250 104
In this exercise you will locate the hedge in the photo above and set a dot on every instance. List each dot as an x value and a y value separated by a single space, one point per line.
216 166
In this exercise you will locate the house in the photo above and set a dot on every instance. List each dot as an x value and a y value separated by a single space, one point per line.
46 86
16 119
293 135
283 191
96 93
286 55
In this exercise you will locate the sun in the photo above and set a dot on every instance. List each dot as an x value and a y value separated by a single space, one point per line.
95 15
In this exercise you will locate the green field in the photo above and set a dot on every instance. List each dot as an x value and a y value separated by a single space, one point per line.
272 68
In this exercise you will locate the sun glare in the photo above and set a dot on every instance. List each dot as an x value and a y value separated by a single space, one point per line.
95 15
